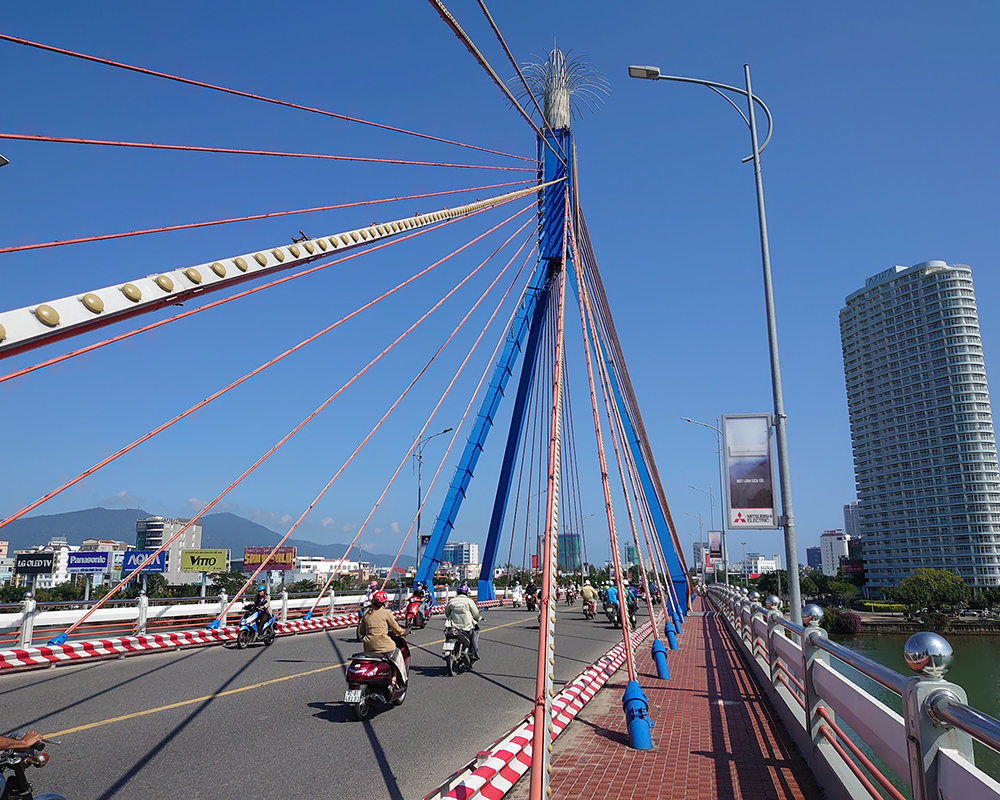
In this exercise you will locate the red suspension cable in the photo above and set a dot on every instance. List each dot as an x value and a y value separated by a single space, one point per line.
236 151
104 462
190 225
262 98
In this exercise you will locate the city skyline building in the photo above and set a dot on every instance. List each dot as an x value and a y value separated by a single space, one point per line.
456 553
152 532
814 557
852 522
924 445
833 546
570 552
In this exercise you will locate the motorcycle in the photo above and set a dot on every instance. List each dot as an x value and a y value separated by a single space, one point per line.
416 613
456 649
362 609
611 612
248 628
517 600
589 609
530 601
369 680
14 783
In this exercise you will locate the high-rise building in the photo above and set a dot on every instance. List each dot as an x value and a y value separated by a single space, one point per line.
814 557
700 550
852 523
457 553
833 547
631 556
152 532
925 456
570 552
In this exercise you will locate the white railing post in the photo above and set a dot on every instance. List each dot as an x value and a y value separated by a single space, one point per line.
140 623
223 602
773 629
930 655
811 615
284 605
333 603
28 606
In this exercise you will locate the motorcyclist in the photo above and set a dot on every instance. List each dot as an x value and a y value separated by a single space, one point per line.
26 742
588 593
463 613
518 594
611 595
377 628
262 604
420 593
372 588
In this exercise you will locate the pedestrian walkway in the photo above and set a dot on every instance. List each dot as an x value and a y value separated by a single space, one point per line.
716 735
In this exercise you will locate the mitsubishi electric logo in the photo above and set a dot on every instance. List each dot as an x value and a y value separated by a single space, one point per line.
739 518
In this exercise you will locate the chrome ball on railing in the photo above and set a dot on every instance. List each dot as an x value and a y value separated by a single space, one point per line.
754 596
773 601
928 654
743 591
811 615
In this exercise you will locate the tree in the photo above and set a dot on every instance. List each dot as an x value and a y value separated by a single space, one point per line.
772 582
305 585
842 590
913 592
808 587
931 588
228 582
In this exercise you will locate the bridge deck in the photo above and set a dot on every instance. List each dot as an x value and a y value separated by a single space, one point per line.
716 735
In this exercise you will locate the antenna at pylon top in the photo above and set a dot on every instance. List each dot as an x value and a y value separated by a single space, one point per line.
566 85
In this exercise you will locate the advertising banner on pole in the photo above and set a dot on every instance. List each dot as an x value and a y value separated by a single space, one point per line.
715 547
33 563
283 558
95 562
204 560
750 498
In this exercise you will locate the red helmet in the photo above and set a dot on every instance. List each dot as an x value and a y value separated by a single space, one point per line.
380 598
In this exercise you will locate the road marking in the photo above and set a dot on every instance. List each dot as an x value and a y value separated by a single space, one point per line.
193 700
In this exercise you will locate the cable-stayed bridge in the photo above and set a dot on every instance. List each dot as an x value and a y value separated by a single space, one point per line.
506 336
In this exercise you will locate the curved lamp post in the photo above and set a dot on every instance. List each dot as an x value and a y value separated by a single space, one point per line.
788 519
722 505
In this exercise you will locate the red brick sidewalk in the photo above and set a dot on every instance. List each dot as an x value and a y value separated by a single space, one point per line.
716 735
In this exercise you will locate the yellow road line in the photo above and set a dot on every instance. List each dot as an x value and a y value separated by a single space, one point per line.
193 700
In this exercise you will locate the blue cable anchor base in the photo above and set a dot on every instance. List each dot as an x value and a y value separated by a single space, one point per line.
60 639
636 708
213 625
670 633
660 659
308 615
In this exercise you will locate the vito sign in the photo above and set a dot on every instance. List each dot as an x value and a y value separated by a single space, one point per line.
204 560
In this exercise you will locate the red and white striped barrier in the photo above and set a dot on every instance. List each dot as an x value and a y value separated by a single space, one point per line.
46 656
511 757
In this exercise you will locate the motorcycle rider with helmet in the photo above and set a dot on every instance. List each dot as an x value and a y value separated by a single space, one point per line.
377 628
463 613
263 606
518 595
588 593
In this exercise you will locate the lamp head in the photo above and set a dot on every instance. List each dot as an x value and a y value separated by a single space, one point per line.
648 73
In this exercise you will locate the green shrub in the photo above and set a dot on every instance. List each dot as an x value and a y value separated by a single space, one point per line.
877 606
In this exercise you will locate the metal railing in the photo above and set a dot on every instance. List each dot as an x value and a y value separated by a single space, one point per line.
929 748
31 623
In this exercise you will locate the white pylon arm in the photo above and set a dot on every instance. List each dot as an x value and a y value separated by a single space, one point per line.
25 328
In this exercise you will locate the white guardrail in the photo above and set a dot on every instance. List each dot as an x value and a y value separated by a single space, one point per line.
928 749
33 623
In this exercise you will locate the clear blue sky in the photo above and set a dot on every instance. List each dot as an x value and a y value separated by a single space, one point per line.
884 153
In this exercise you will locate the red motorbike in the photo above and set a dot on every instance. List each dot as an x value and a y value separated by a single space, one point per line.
370 681
415 614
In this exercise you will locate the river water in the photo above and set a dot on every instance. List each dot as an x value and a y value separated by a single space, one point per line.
976 669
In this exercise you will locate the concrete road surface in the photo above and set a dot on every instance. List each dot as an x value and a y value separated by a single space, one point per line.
271 723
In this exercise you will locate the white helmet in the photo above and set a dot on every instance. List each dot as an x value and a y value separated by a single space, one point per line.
586 583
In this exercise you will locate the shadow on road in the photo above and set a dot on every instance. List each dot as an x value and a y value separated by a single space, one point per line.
139 765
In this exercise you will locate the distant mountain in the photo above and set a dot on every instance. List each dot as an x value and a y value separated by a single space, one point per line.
224 531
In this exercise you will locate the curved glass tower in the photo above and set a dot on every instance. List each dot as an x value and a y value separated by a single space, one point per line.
925 455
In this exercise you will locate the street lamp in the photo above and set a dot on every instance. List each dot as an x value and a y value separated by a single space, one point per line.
418 454
722 509
701 537
711 518
788 518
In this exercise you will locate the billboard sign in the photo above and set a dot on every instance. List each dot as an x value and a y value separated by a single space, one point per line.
33 563
749 472
204 560
92 561
715 547
133 558
283 558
